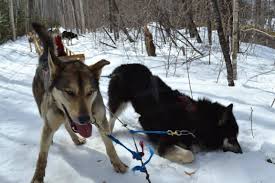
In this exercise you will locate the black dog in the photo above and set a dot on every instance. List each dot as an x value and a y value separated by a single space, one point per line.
69 36
213 126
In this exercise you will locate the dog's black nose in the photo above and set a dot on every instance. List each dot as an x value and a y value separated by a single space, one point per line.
84 119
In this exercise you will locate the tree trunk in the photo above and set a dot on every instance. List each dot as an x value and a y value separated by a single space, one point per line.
30 13
258 13
235 37
110 15
209 23
122 25
225 16
12 20
190 22
150 47
27 20
224 44
82 17
75 16
114 18
193 28
62 14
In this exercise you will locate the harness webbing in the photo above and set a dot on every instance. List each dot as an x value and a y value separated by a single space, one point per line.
143 168
135 155
148 132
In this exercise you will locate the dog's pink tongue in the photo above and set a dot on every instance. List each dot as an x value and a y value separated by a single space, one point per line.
84 130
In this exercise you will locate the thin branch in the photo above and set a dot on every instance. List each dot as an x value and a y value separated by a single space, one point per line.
189 82
107 44
190 44
273 102
167 69
251 121
257 30
109 36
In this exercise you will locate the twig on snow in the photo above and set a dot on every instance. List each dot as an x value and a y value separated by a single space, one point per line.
273 102
251 121
108 45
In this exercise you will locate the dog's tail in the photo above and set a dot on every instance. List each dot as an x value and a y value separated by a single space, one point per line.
46 39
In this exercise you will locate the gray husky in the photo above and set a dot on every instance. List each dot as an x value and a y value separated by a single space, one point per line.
67 92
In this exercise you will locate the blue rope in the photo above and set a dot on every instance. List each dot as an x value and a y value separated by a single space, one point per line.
135 155
148 132
143 167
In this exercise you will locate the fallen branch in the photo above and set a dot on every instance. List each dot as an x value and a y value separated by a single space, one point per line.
273 102
259 31
251 122
259 74
109 36
190 44
108 45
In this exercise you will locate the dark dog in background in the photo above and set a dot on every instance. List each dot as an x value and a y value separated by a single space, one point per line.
162 108
69 36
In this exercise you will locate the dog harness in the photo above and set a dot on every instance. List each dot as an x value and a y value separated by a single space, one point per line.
59 46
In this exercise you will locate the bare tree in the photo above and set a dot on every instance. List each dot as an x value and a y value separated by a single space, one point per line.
27 20
209 23
149 44
223 42
258 13
190 20
12 20
121 22
82 17
73 10
235 38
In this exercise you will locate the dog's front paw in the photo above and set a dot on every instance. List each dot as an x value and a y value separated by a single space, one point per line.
185 156
79 141
120 167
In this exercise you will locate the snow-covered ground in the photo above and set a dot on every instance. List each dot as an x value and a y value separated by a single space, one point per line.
20 124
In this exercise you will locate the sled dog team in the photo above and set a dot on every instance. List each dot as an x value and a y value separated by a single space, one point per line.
68 93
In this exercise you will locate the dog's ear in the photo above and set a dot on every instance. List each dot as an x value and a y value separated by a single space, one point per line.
228 110
230 107
54 65
97 67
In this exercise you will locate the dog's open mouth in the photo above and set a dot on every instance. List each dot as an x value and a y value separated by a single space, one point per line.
85 130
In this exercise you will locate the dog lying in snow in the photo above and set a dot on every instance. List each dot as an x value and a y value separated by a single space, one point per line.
212 125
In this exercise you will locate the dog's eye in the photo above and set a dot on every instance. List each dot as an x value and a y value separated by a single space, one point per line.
70 93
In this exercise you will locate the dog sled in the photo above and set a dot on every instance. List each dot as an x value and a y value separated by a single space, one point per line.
68 55
72 56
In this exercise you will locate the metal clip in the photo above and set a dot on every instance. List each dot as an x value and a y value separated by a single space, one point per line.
174 133
179 133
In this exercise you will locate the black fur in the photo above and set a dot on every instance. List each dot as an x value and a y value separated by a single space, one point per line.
69 35
162 108
47 43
